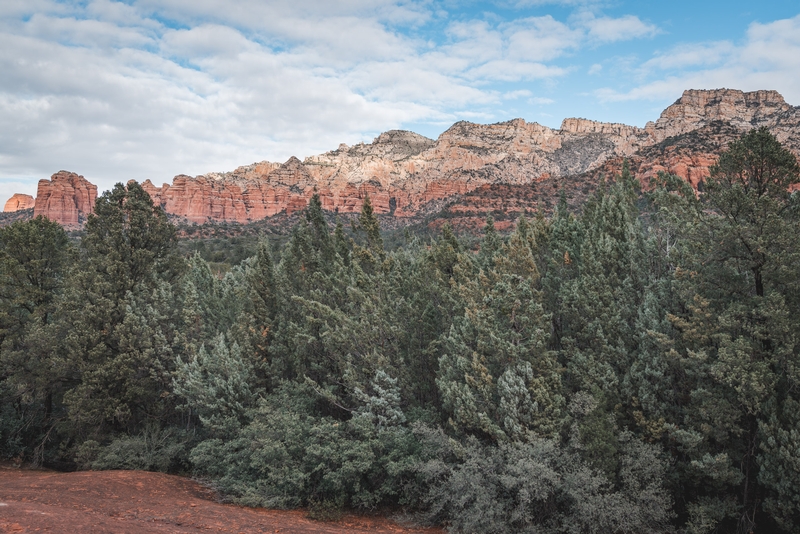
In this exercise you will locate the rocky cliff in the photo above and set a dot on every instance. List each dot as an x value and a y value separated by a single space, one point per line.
66 198
406 174
19 202
402 172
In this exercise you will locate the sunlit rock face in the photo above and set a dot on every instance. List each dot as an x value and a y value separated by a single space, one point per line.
19 202
66 198
405 173
696 109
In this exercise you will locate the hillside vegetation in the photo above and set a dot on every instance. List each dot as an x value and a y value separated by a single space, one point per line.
630 369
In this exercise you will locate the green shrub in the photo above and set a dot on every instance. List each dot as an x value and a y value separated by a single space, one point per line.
287 457
154 449
542 487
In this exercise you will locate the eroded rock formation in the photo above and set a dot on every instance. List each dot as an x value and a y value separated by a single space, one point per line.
66 198
19 202
405 173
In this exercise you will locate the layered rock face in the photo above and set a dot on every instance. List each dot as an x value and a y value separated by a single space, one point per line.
19 202
404 172
696 109
401 171
66 198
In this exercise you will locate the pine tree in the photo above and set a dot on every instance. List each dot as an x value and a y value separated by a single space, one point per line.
369 225
490 244
310 279
260 309
34 261
737 275
602 303
371 254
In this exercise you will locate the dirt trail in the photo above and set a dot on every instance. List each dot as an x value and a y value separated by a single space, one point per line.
135 501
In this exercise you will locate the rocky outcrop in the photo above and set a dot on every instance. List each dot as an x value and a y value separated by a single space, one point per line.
66 198
696 109
246 194
406 174
19 202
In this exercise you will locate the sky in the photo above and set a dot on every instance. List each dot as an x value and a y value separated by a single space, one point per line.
147 89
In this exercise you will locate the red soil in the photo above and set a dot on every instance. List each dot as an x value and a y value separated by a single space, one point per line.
135 501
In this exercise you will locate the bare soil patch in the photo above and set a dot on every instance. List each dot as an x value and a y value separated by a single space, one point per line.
136 501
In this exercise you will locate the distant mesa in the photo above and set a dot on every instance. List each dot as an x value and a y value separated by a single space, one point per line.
407 174
19 202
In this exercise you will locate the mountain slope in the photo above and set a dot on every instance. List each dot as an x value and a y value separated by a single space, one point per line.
406 174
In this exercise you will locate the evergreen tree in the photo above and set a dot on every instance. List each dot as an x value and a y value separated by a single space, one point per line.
217 385
368 225
496 376
738 280
34 261
371 254
490 244
120 317
260 309
311 279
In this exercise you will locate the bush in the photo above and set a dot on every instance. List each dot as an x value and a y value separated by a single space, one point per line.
154 449
287 457
542 487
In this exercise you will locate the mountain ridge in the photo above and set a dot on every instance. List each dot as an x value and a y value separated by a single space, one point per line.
404 172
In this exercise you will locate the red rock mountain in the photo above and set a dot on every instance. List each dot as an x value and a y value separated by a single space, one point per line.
406 174
66 198
19 202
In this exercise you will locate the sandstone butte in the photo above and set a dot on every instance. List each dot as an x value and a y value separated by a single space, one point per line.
405 173
66 198
19 202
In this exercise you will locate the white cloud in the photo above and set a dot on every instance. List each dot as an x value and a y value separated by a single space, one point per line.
88 33
541 39
583 3
512 71
608 29
520 93
769 58
692 55
152 88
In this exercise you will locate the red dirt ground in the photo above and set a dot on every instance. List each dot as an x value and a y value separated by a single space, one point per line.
129 502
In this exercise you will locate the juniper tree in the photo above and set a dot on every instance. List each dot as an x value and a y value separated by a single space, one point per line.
217 384
310 278
260 310
496 377
490 244
120 316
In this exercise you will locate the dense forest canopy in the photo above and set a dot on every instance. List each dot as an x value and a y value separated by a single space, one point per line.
633 368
